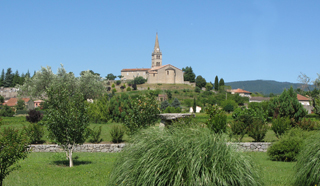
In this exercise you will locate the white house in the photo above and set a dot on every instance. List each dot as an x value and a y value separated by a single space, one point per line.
198 109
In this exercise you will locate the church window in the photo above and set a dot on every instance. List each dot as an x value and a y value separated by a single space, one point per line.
158 63
158 56
167 72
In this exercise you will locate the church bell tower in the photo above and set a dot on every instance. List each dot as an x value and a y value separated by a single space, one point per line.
156 59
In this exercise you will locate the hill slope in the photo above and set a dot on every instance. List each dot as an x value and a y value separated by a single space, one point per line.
263 86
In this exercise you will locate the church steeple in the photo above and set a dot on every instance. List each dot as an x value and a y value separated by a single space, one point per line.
156 59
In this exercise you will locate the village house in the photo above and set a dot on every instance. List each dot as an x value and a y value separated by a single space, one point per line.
241 92
12 102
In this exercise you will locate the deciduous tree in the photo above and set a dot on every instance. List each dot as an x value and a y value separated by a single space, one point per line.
200 81
188 74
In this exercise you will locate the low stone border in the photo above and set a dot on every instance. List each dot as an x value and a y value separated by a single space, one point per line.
244 146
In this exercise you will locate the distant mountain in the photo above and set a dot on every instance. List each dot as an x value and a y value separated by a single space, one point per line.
263 86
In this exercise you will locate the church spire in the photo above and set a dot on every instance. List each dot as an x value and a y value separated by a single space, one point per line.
156 44
156 59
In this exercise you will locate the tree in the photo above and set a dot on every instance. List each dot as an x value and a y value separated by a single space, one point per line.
67 118
209 86
221 82
1 100
200 81
6 111
175 103
194 107
139 80
8 78
188 74
20 104
2 78
90 85
164 105
120 76
216 84
13 147
111 77
169 94
287 105
90 71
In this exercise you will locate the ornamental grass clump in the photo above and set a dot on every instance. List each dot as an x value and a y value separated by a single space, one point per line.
189 156
308 162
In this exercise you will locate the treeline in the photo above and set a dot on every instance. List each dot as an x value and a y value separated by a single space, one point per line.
10 79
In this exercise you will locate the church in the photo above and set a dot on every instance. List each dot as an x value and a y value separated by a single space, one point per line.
158 73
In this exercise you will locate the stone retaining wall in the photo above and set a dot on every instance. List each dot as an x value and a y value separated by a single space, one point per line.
245 146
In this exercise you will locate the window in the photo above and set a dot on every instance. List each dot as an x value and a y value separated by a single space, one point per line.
168 72
154 75
158 63
158 56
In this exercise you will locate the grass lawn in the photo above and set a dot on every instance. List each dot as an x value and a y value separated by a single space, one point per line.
94 168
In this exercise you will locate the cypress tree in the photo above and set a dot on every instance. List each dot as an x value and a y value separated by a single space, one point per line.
216 84
221 82
194 105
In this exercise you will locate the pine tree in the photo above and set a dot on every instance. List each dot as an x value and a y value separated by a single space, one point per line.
175 103
221 82
216 83
8 78
2 78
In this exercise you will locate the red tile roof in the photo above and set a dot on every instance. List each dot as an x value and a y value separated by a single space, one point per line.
13 101
302 98
134 69
240 91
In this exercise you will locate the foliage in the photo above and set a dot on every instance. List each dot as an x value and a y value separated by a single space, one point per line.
6 111
67 118
209 86
35 133
128 89
188 74
308 162
200 81
1 100
171 109
258 130
175 103
228 105
216 83
288 147
194 107
118 82
13 147
169 94
117 133
111 77
95 135
134 86
143 114
221 83
217 121
164 105
237 130
280 126
34 116
197 89
118 107
189 156
88 84
139 80
307 124
20 104
287 105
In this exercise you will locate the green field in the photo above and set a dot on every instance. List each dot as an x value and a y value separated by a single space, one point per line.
94 168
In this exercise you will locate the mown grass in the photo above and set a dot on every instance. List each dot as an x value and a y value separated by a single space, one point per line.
19 122
94 169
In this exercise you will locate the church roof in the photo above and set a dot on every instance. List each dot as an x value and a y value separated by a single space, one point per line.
155 69
134 69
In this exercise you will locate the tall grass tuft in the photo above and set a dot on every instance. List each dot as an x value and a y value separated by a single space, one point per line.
189 156
308 162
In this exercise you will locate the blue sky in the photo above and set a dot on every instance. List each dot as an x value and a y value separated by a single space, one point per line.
236 40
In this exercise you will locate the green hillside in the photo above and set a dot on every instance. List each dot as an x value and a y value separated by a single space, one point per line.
263 86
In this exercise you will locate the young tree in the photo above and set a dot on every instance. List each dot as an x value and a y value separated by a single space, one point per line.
8 78
200 82
216 84
20 104
194 107
221 82
209 86
13 147
169 94
67 118
164 105
188 74
175 103
2 78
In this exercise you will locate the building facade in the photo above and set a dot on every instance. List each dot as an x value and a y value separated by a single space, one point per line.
158 73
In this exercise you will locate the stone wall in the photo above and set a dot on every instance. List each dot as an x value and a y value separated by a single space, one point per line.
244 146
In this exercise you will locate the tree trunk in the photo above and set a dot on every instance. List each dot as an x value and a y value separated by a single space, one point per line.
70 158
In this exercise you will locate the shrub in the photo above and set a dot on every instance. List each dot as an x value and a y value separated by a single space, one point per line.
35 133
22 112
217 121
280 126
114 90
238 129
34 116
288 147
175 103
139 80
108 89
306 124
197 89
189 156
95 135
128 89
170 109
6 111
118 82
228 108
308 162
258 130
117 133
113 85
